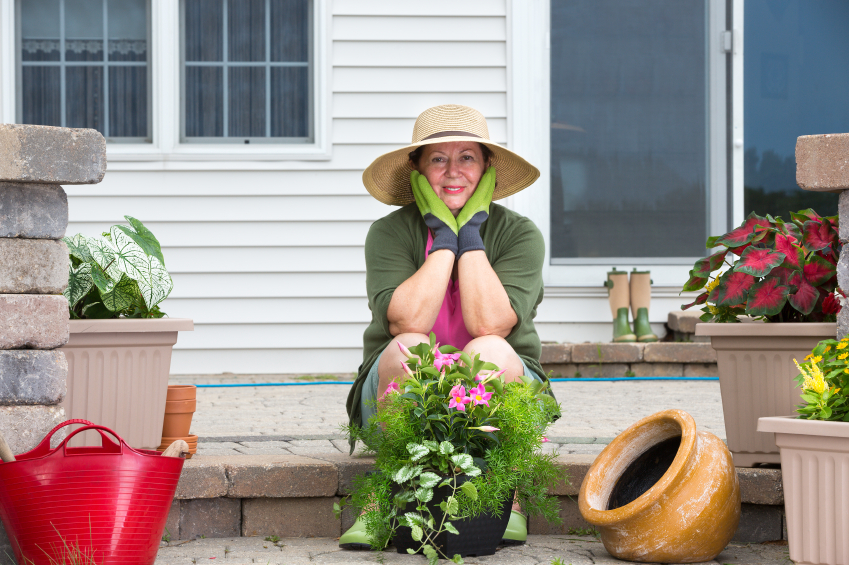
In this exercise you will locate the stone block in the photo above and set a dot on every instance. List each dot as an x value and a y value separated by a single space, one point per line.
701 370
607 352
52 155
573 469
33 266
556 353
210 517
843 323
33 321
759 523
35 211
29 376
347 467
172 523
684 321
760 486
203 477
566 370
843 215
670 352
657 369
843 268
569 513
25 426
603 370
290 517
822 162
7 555
280 476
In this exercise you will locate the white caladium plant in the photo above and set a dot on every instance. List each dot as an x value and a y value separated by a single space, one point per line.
119 273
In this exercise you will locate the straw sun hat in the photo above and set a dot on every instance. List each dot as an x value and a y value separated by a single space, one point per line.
388 177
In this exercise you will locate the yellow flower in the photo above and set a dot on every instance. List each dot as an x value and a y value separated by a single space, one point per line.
808 357
843 344
813 379
815 359
827 348
843 355
846 371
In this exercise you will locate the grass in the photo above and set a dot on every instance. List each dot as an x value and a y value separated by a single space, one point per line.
317 378
584 532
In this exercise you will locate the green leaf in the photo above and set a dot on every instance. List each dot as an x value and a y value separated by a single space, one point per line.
102 281
457 559
411 551
424 494
154 282
453 505
97 311
78 247
464 357
463 460
449 527
430 553
428 480
103 254
413 519
417 533
469 490
407 472
121 296
145 238
417 451
446 448
79 284
431 445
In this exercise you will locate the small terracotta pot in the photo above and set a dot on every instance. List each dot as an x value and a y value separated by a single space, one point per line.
181 392
178 417
661 492
192 440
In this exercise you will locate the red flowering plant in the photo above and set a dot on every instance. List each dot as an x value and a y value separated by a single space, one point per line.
772 270
453 429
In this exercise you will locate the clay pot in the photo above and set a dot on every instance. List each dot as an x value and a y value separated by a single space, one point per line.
662 492
181 392
192 440
178 417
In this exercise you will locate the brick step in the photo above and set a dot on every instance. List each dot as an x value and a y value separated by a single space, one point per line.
604 360
293 496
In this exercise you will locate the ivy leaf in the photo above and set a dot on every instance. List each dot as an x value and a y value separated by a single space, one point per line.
406 473
424 494
79 284
457 559
469 490
449 527
446 448
417 451
413 519
453 505
431 445
428 480
416 532
463 460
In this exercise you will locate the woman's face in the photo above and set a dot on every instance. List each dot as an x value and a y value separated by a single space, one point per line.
454 170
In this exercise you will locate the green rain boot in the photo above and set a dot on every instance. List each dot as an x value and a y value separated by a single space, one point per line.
619 295
355 537
642 327
517 529
640 301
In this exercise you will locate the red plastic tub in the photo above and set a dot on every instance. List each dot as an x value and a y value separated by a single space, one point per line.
110 502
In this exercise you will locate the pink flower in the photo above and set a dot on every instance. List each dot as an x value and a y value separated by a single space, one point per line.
487 429
459 398
545 440
479 395
407 353
489 376
407 370
393 387
444 359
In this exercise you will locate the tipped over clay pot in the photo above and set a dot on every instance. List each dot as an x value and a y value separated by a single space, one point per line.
661 492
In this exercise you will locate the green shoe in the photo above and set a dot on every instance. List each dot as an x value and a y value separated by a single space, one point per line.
642 327
517 529
355 537
621 329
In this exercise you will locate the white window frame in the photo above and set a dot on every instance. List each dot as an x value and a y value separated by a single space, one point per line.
166 151
529 135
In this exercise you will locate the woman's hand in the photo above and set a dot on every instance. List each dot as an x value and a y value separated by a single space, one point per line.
436 214
475 213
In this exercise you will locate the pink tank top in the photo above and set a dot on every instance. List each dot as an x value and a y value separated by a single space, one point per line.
449 327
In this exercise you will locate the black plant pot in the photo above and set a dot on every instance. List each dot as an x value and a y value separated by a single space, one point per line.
478 536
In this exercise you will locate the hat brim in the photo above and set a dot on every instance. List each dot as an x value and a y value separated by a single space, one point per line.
388 177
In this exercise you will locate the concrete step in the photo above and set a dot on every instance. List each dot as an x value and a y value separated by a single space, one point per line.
661 359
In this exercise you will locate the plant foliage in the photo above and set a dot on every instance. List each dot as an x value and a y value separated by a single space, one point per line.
120 273
783 271
452 416
824 380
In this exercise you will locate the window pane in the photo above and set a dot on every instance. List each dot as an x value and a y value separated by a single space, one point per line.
83 30
247 102
127 39
204 102
128 101
628 131
84 98
290 102
246 30
290 30
41 102
40 31
796 83
203 30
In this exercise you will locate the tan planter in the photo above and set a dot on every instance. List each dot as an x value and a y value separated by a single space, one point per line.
815 476
661 492
756 373
118 376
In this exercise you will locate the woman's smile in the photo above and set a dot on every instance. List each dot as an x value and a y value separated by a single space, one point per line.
454 170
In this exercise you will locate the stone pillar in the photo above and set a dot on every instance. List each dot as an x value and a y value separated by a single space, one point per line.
822 165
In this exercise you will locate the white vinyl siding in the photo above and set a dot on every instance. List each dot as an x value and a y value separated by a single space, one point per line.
267 255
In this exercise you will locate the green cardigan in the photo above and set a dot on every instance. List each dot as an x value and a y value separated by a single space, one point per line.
395 250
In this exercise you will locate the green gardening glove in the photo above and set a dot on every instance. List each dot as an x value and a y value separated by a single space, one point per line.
436 214
475 213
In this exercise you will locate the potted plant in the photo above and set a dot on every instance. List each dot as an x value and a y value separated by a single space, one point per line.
766 270
119 351
453 443
815 457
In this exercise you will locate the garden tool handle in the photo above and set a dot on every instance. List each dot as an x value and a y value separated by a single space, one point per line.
177 449
5 452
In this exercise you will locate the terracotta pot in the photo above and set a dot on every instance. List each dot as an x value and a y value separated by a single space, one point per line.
181 392
118 374
756 371
662 492
192 440
178 417
815 474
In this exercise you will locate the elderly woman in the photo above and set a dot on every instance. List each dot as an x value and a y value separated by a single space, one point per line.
449 261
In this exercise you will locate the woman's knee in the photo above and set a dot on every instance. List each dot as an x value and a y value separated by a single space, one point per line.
392 357
495 349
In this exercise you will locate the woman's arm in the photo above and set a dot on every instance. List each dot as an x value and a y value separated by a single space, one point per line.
486 307
415 303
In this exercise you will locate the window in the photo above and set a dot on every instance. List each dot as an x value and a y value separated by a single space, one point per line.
247 71
84 64
796 83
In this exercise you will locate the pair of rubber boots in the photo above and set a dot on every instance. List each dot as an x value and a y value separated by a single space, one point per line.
635 294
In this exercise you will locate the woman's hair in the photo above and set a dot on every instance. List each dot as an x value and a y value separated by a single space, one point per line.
417 154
